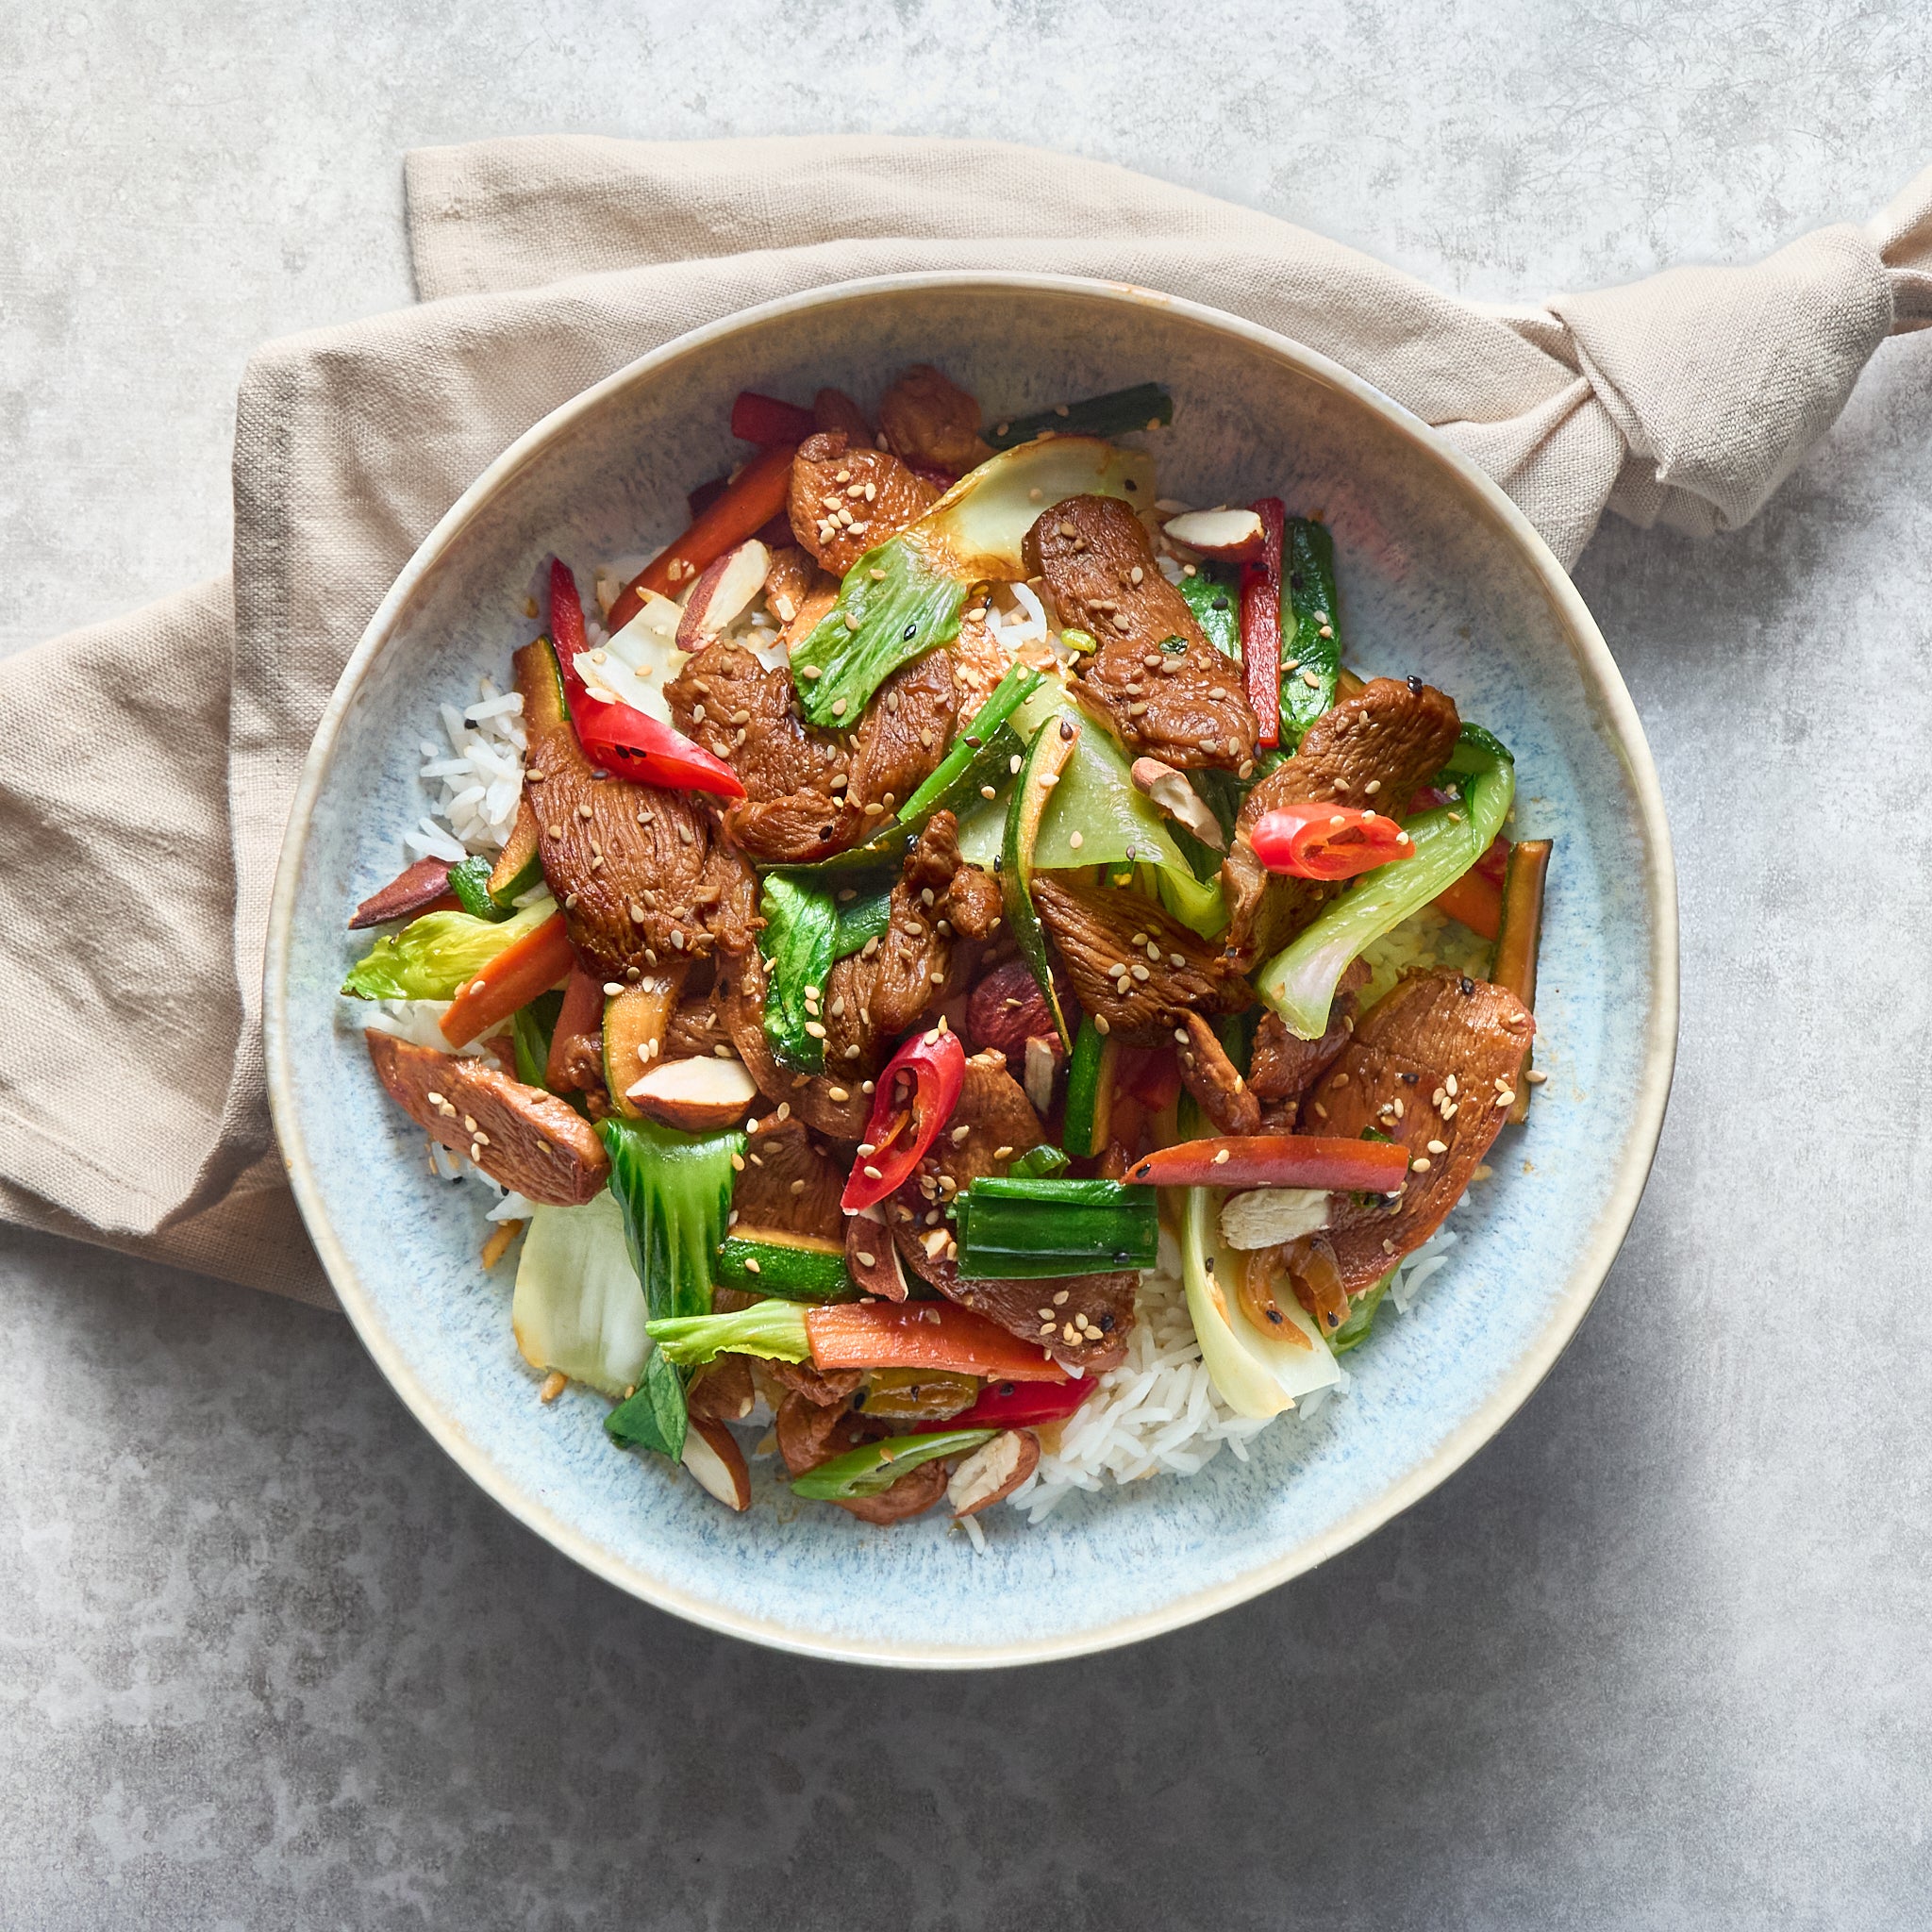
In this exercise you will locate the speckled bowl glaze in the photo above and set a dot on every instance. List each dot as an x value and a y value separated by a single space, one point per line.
1440 574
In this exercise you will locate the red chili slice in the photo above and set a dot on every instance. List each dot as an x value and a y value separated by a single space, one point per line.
1327 842
766 420
902 1128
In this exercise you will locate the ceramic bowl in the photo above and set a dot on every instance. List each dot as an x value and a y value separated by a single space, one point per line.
1440 574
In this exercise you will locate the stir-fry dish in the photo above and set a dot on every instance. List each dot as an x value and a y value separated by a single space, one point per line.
954 980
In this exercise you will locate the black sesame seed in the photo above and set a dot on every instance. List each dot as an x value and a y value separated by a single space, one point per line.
1409 1079
910 632
1106 1325
1468 988
1415 687
859 1399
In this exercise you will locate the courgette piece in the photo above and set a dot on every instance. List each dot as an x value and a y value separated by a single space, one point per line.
1029 1230
1213 594
676 1191
635 1021
1090 1091
518 866
470 882
1040 770
1307 609
797 1267
801 923
1041 1162
1118 412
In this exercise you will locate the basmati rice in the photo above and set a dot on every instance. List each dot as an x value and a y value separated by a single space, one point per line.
474 784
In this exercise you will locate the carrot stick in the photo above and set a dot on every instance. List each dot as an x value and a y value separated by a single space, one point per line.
921 1334
1276 1161
743 509
582 1017
1520 935
1476 901
518 973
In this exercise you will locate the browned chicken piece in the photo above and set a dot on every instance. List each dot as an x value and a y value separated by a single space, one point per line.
884 989
980 660
789 1182
929 419
821 1387
641 873
1283 1068
807 791
789 580
1132 963
847 499
1370 751
521 1137
722 1391
996 1122
914 1493
811 1432
835 1103
1429 1066
833 410
1214 1080
1164 689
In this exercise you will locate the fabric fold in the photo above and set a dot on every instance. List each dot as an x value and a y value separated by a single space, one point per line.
146 810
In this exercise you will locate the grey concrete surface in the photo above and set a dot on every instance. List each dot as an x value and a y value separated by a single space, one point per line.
1657 1658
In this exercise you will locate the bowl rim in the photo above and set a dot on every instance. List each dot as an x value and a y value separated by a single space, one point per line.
1639 1145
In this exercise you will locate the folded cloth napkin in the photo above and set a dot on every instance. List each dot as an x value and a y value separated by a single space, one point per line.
155 756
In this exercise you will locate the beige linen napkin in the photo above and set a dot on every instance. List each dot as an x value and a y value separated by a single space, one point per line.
143 810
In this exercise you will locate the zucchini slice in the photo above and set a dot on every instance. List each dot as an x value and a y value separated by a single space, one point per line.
796 1267
1090 1091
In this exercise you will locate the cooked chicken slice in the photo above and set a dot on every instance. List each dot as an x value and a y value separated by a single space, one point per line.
931 421
789 1182
913 1494
979 660
1370 751
641 873
1283 1068
1164 689
1428 1066
521 1137
1132 963
1214 1080
846 500
807 790
812 1432
789 580
722 1389
832 408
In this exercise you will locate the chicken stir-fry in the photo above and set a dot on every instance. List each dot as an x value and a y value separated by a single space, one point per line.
946 873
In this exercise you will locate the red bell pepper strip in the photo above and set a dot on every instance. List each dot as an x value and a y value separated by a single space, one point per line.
579 1020
1276 1161
913 1099
1477 900
621 738
766 420
1321 840
417 889
922 1335
755 498
1262 622
1007 1405
1151 1075
518 973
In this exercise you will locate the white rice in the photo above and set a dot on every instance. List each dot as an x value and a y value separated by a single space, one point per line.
474 783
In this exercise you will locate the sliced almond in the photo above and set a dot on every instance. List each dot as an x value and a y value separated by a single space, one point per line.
992 1474
1267 1217
712 1455
1172 793
699 1095
723 594
1234 535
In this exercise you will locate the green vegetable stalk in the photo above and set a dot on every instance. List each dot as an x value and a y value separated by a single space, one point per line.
674 1190
772 1328
1213 594
1299 982
432 956
1028 1230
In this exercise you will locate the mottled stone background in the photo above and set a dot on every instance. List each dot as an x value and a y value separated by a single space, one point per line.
1658 1658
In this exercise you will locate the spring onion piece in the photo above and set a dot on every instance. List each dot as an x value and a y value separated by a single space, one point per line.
801 923
674 1191
1309 659
1361 1316
1299 982
1040 772
1256 1375
1118 414
577 1306
904 597
1025 1230
1041 1162
435 956
876 1466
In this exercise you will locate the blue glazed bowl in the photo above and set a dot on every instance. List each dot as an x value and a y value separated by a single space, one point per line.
1439 574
